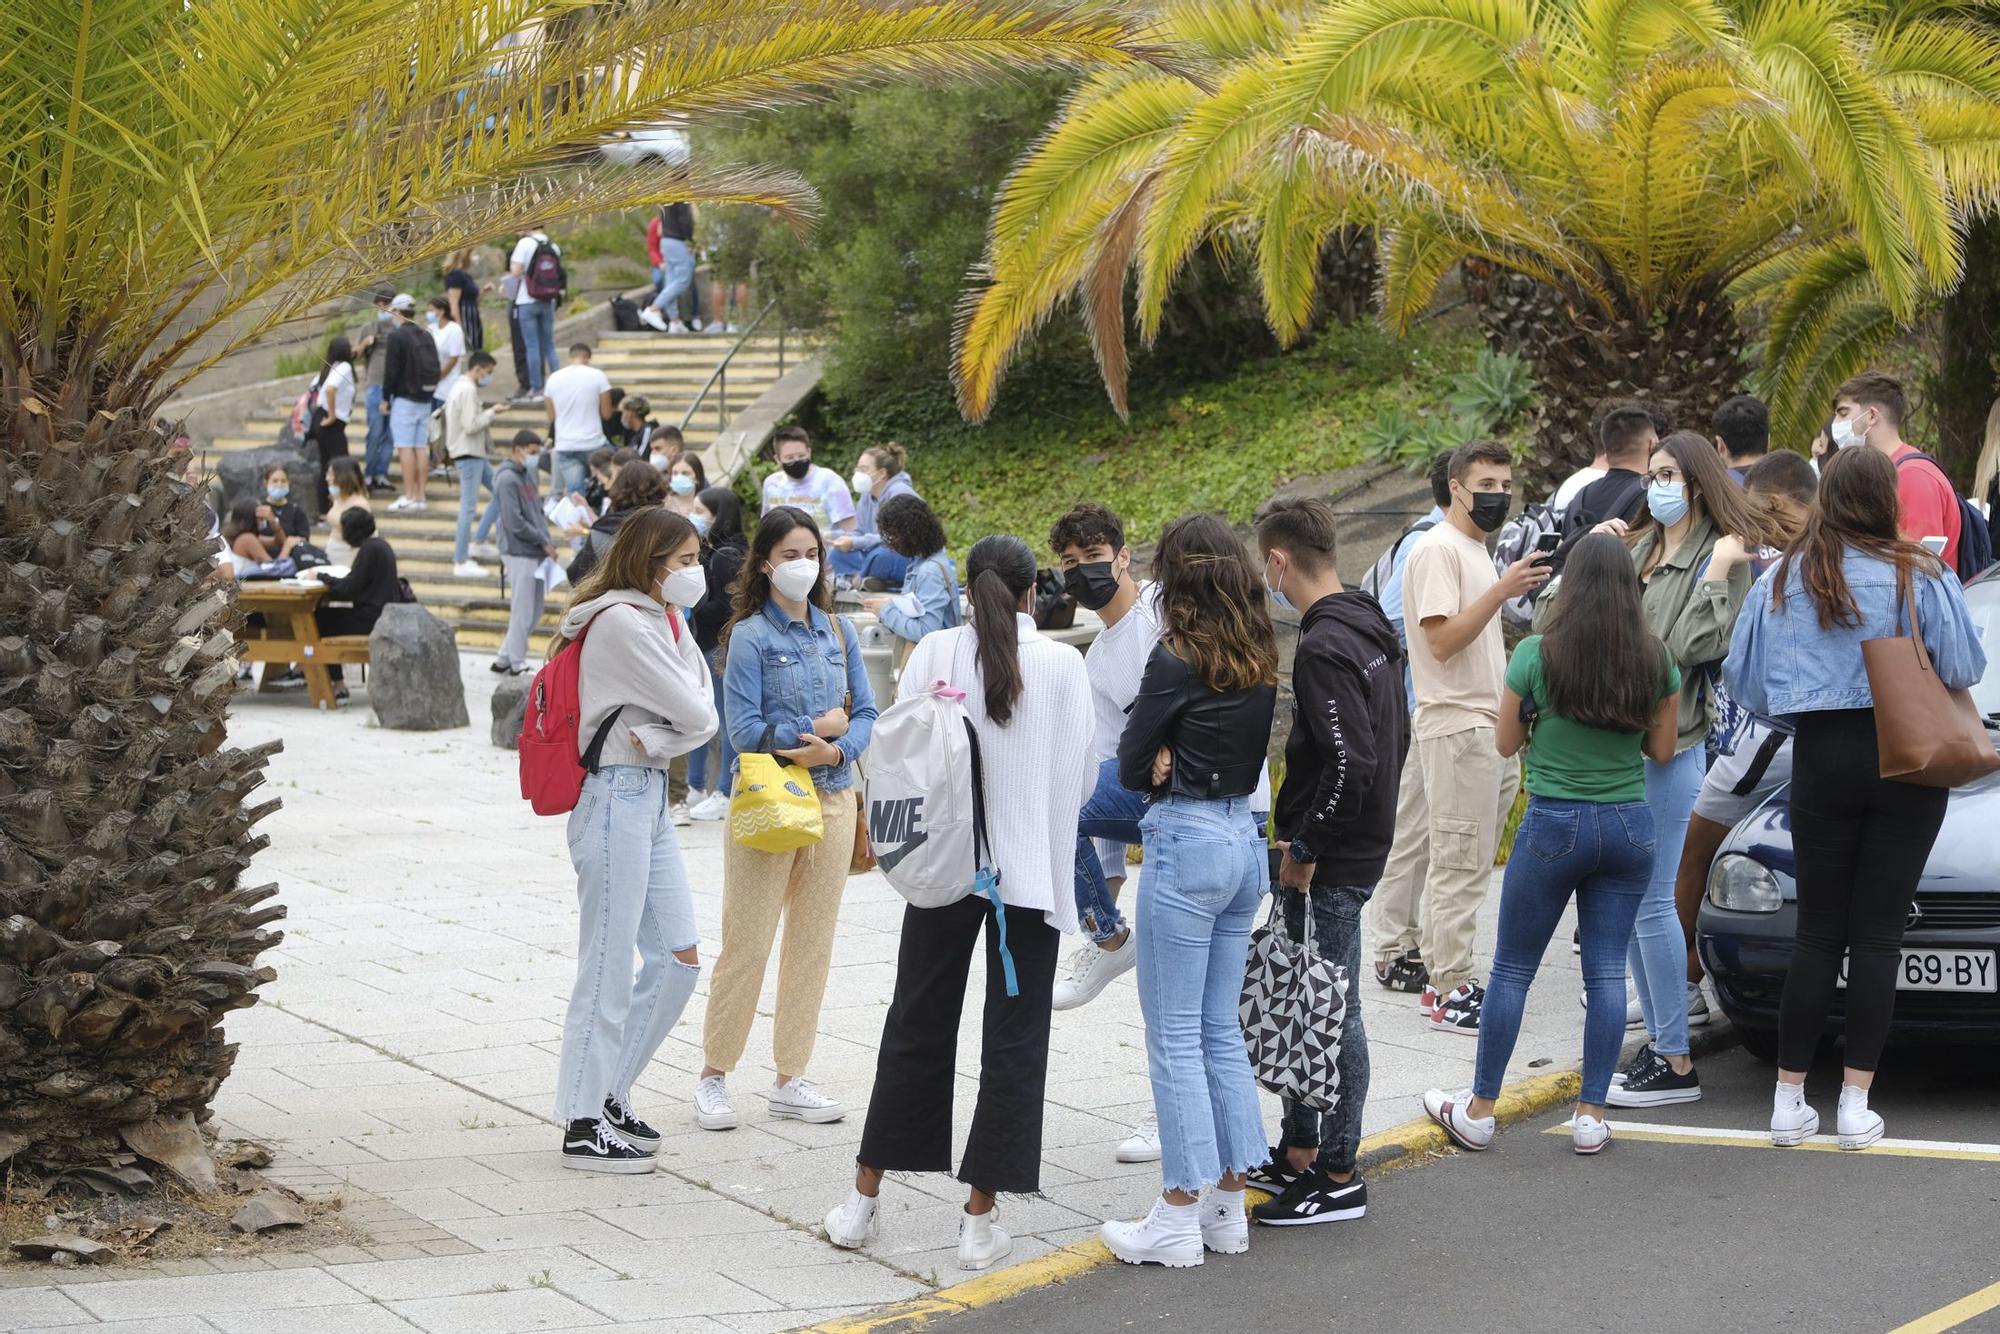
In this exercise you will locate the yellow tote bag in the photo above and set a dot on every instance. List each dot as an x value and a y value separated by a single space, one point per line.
774 807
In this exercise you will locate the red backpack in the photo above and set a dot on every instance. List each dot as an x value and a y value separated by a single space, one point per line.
544 277
552 773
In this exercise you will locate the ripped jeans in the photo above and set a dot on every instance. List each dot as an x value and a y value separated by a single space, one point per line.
632 898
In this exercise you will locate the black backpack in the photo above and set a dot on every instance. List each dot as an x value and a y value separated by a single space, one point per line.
420 359
1975 536
625 315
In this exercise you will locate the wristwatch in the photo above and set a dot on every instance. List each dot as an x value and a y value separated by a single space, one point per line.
1301 852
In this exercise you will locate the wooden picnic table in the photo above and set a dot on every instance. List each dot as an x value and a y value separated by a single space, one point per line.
291 633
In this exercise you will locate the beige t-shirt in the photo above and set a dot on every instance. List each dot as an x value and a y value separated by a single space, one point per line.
1447 572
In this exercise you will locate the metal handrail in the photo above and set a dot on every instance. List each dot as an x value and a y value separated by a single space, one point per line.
719 378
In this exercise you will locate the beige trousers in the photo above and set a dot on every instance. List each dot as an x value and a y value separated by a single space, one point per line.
1453 803
804 887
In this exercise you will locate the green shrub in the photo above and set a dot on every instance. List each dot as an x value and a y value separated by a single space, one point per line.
299 361
623 276
1495 392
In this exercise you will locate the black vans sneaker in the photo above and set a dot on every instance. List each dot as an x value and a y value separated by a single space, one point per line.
1275 1175
1655 1085
593 1146
1406 973
629 1127
1315 1198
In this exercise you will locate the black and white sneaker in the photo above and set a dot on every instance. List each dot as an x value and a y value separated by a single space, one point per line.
1315 1197
593 1146
1458 1009
1275 1175
1655 1085
1405 973
629 1127
1641 1059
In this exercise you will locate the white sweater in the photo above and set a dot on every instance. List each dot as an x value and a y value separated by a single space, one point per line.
1038 768
465 422
632 659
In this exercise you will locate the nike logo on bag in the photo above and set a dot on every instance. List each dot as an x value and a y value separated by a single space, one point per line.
888 861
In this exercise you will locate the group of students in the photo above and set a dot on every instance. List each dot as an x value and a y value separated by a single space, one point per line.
1654 630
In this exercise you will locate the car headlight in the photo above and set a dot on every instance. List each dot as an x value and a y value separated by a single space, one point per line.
1743 884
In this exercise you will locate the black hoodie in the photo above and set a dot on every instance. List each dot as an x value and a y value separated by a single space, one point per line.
1350 733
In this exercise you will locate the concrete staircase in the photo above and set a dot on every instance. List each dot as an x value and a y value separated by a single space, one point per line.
667 370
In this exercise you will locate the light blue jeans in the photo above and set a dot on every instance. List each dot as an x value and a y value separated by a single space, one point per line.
1659 949
1206 873
473 473
677 276
699 778
538 334
632 897
572 469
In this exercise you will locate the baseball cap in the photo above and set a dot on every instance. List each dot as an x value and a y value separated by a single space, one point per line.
403 301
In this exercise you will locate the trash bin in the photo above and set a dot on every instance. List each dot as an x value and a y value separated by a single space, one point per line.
878 655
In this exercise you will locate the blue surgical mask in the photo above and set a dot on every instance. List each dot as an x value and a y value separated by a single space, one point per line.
382 316
1277 591
1668 502
277 492
430 318
681 484
701 524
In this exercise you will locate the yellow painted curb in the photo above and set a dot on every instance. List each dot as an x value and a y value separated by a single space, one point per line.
1399 1146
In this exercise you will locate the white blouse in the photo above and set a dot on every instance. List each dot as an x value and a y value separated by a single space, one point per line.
1038 768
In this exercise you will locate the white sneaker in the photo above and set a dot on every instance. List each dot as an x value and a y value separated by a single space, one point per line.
1143 1144
1588 1134
1858 1126
1170 1235
484 551
1793 1121
469 569
852 1223
1448 1110
982 1242
418 506
1092 968
714 806
1225 1228
800 1101
1697 1006
400 503
680 815
676 327
1635 1014
712 1109
650 317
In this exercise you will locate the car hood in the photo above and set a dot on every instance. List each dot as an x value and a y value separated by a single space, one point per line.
1966 856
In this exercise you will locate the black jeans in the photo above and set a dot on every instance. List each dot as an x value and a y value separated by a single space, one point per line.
345 621
1861 842
909 1113
332 440
1336 911
519 342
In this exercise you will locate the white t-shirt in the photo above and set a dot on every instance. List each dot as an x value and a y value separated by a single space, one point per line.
1116 660
450 340
1572 484
524 250
819 493
574 390
336 391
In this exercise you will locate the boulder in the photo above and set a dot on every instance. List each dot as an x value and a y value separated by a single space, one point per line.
413 680
510 705
240 473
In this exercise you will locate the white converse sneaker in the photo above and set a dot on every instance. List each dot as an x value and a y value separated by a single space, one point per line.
650 317
800 1101
714 806
1858 1126
1635 1014
468 569
1091 970
483 551
1143 1144
982 1242
1697 1006
1793 1121
1170 1235
1588 1134
1225 1228
712 1109
852 1223
1448 1110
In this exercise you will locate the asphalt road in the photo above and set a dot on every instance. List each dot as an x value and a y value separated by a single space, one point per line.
1678 1236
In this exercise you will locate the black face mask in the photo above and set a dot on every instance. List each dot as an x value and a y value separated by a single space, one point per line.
1093 585
797 469
1489 509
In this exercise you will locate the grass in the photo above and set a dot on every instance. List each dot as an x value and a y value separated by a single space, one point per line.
303 361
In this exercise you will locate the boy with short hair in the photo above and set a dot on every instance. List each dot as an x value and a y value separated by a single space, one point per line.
524 545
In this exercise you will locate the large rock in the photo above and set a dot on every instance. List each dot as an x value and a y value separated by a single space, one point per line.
240 473
413 680
510 705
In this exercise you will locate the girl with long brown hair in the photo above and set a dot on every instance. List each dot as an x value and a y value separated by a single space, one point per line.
643 698
1196 739
1860 841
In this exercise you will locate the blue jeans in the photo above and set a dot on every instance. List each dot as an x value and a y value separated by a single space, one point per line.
1603 853
375 458
725 754
1659 948
1112 813
1206 873
572 469
677 263
874 563
632 897
473 473
1336 911
538 332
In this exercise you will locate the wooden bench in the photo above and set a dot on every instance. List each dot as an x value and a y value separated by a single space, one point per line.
291 634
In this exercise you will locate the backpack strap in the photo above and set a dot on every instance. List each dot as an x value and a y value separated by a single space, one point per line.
986 877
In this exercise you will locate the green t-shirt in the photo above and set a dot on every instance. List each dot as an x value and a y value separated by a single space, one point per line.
1571 761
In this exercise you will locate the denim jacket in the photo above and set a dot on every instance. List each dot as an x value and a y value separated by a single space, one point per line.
1781 662
934 583
781 674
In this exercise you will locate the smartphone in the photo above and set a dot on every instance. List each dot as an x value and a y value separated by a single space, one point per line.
1548 542
1934 545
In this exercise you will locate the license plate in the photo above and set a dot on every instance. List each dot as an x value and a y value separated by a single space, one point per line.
1943 970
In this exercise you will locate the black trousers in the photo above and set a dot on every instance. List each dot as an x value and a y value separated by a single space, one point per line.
909 1113
345 621
1861 842
332 439
520 345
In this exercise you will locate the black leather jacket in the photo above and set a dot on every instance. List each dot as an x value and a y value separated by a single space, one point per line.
1218 741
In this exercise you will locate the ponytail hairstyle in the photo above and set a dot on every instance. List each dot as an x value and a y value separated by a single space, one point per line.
890 457
1212 605
999 572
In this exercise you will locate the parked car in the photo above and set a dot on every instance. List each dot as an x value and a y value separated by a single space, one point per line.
645 144
1948 989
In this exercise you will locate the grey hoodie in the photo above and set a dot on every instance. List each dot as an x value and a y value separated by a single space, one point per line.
524 529
633 658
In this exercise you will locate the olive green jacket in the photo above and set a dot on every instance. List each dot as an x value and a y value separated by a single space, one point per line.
1694 617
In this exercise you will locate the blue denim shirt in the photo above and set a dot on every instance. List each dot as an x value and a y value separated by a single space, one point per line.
781 674
1781 662
933 581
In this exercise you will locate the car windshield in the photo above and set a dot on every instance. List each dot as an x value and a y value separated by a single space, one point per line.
1983 601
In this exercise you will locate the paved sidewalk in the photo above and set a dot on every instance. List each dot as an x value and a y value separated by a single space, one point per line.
405 1059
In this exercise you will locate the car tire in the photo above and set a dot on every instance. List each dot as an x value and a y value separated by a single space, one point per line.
1761 1043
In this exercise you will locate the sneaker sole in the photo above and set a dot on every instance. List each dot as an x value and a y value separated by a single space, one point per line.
1233 1247
1153 1255
1451 1133
811 1116
1791 1139
609 1166
1330 1216
715 1121
1087 997
1853 1142
1586 1150
974 1266
1622 1097
850 1243
1125 1155
1445 1026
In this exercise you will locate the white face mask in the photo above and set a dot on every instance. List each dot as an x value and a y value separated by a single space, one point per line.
863 483
684 587
1845 435
795 579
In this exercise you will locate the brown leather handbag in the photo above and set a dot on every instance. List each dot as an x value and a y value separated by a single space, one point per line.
863 859
1927 733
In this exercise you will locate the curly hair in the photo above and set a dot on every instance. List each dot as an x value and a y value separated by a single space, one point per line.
909 527
1212 605
636 486
1085 526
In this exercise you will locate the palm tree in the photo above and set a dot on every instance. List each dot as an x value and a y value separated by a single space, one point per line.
180 178
1641 167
